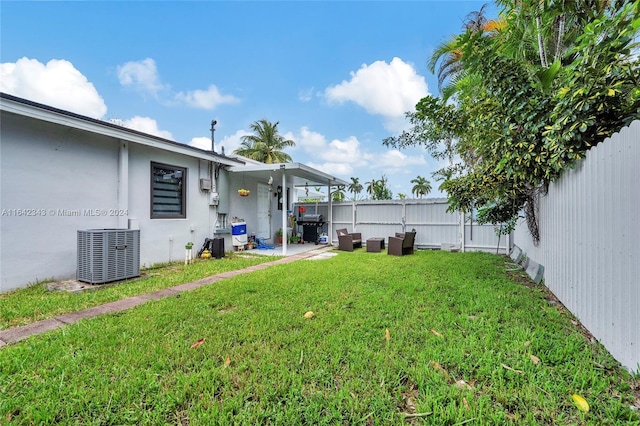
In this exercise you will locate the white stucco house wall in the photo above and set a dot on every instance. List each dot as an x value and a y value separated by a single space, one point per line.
62 172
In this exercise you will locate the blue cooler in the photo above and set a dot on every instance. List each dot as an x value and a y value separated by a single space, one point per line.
239 234
239 228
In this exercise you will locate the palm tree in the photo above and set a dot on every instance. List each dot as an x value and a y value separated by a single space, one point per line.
355 187
378 189
371 187
422 186
449 53
543 33
540 33
266 144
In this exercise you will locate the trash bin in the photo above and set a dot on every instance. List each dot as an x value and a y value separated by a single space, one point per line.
217 248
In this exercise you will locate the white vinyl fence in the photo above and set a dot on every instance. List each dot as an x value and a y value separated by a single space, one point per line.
590 243
429 217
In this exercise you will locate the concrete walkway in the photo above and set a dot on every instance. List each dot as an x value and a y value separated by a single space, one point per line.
15 334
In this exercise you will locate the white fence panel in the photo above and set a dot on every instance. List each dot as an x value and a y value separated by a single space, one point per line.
343 216
433 224
379 218
379 212
429 217
483 238
589 243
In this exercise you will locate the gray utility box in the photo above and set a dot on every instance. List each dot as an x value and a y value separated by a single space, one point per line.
106 255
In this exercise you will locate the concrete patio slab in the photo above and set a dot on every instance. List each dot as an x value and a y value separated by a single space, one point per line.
322 256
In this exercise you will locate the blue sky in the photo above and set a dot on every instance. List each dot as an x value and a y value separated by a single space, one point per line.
338 76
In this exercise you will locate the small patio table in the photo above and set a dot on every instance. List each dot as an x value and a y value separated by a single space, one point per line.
375 244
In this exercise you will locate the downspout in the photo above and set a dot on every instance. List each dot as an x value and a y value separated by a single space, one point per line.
123 186
213 210
284 210
213 176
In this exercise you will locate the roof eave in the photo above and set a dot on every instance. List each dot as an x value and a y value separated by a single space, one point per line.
24 107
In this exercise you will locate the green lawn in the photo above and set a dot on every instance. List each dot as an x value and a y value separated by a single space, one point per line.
433 338
34 303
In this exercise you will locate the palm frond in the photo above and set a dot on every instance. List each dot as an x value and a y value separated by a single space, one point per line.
266 144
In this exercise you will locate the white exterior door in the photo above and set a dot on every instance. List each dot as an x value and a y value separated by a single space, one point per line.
264 212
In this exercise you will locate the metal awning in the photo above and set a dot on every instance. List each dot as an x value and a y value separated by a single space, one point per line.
298 175
293 174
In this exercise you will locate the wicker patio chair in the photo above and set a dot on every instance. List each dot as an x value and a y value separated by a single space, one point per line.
401 244
348 241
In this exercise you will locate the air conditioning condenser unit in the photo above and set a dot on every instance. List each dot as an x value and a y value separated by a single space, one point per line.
106 255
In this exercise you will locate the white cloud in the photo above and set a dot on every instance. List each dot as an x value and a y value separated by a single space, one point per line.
340 157
206 99
145 125
58 84
141 75
202 142
349 157
397 159
305 95
309 141
290 136
144 77
336 151
393 164
340 169
346 151
232 142
386 89
396 124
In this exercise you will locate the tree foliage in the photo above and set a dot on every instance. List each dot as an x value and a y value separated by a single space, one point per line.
378 189
355 187
338 195
266 144
531 96
421 186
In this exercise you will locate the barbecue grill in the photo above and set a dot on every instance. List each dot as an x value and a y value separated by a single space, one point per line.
311 227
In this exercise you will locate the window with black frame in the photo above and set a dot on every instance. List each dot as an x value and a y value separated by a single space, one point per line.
168 189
